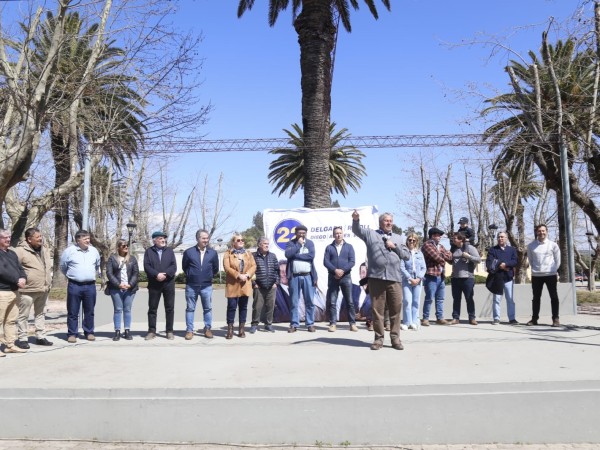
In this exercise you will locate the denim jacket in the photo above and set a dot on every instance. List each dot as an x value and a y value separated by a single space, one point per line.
413 267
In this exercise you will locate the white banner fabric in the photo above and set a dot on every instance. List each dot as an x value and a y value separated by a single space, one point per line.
280 226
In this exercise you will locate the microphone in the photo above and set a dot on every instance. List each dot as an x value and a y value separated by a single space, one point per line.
385 239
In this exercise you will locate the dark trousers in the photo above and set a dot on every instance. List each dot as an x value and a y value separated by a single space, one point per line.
263 298
462 286
78 295
232 305
168 292
537 284
333 287
384 292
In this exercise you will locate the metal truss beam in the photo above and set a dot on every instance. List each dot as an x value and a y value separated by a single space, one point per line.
361 142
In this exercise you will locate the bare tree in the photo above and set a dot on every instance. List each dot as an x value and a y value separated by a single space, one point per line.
158 63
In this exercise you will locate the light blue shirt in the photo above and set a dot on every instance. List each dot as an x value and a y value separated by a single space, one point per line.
80 265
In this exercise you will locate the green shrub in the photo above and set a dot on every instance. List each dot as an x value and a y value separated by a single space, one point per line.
219 278
480 279
180 278
142 276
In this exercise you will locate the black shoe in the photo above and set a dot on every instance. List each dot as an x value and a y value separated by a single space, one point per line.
117 336
22 344
43 341
127 335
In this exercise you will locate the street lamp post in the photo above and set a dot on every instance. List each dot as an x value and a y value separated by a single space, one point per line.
493 227
220 241
130 229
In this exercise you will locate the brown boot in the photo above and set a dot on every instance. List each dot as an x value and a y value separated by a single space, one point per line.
229 334
241 332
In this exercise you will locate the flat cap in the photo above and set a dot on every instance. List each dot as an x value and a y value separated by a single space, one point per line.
435 230
159 234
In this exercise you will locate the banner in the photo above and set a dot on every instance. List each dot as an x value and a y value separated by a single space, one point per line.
280 228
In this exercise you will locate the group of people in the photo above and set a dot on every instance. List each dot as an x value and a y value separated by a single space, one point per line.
398 268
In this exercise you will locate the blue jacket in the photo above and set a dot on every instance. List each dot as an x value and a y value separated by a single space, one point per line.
413 271
507 256
200 276
292 252
344 261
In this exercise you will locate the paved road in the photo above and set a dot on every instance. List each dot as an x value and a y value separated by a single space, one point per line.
60 445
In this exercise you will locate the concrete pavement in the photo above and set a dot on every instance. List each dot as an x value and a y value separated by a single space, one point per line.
457 384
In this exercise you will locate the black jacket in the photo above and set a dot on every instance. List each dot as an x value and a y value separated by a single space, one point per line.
113 272
267 270
153 265
10 271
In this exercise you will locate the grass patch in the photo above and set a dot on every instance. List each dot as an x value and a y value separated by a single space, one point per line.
584 297
58 294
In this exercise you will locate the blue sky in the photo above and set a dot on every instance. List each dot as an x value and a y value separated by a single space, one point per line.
406 73
396 75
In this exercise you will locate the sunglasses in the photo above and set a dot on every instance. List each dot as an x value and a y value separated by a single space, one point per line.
411 240
239 240
124 246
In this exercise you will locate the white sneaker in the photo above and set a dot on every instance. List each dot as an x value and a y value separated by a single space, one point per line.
415 326
403 327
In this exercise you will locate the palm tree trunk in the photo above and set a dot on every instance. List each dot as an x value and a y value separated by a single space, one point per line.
521 269
316 32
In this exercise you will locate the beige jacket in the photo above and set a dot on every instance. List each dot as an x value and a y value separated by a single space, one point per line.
37 267
231 264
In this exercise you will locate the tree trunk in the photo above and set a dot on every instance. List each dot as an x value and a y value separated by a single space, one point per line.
316 33
60 154
521 269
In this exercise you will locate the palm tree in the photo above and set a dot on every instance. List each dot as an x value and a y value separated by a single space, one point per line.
106 111
315 23
345 166
531 131
515 184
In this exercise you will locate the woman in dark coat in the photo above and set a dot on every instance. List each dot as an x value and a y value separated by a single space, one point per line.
122 271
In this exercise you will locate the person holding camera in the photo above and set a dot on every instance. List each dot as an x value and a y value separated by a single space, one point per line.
464 259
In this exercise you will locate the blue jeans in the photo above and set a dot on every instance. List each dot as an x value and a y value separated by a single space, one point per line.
333 287
191 297
122 301
80 295
462 286
434 287
411 297
302 283
510 303
232 305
